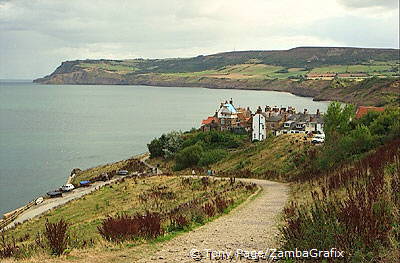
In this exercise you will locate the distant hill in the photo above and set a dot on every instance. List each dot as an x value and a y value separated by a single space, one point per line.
303 57
281 70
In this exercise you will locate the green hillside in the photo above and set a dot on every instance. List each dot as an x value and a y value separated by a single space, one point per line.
296 60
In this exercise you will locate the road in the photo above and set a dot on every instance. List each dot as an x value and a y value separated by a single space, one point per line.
52 203
251 226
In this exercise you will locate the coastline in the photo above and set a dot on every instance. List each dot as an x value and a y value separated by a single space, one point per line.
375 92
10 216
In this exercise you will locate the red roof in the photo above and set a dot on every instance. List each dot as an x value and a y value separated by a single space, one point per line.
209 120
362 110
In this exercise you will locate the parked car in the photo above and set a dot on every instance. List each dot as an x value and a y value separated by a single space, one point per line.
84 183
67 187
319 138
54 194
122 172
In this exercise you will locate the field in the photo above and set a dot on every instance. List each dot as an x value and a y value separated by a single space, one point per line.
158 194
253 70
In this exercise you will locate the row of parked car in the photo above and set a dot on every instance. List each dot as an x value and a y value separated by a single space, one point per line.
70 187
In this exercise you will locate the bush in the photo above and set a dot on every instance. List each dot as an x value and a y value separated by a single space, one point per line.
165 146
221 204
124 227
212 156
188 157
355 209
178 222
209 209
8 249
57 237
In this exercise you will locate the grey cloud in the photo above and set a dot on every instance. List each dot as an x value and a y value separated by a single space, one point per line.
389 4
35 36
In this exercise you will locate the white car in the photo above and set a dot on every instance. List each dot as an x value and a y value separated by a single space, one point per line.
67 187
319 138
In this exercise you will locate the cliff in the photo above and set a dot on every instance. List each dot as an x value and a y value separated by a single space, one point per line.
262 70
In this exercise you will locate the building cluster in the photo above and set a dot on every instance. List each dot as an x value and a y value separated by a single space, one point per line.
330 76
270 119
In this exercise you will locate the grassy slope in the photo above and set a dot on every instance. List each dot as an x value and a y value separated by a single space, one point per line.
257 71
85 214
274 155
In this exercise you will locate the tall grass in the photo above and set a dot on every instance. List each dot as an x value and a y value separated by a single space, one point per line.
355 209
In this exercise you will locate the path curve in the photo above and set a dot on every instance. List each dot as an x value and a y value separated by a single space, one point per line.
251 226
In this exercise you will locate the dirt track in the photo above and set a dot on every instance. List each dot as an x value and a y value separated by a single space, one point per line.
252 226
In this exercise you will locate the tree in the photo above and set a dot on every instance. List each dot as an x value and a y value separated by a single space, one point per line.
188 157
337 120
165 146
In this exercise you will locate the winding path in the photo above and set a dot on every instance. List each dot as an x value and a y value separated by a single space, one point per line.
251 226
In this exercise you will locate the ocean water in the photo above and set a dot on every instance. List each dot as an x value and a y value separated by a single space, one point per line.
47 130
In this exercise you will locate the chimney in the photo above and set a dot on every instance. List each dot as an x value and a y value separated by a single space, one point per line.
259 110
231 101
317 112
305 111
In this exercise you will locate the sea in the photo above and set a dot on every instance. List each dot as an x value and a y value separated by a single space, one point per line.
47 130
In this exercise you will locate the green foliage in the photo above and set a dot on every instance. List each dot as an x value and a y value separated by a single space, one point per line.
349 139
386 124
205 148
354 208
165 146
212 156
188 157
214 139
337 120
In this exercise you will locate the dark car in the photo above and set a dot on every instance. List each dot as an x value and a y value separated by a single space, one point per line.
84 183
54 194
122 172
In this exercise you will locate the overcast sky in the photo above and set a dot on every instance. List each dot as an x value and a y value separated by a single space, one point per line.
36 36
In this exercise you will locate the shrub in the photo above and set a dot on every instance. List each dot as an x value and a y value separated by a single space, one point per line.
165 146
178 222
188 157
124 227
7 249
57 236
119 228
209 209
361 218
212 156
221 204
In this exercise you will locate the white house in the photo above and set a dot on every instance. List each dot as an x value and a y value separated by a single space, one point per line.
227 115
259 130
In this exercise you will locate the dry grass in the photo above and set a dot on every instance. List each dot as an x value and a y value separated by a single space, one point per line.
129 196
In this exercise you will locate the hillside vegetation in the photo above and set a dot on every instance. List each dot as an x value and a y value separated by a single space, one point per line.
283 70
347 195
344 194
134 212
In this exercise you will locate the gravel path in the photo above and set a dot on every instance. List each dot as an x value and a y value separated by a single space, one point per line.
250 227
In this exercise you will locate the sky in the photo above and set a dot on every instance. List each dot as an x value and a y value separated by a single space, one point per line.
37 35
